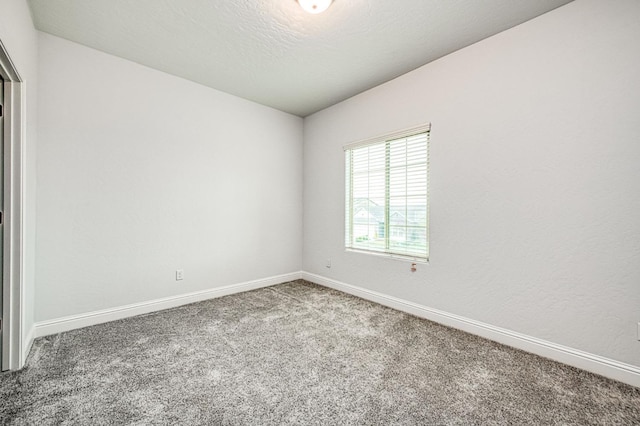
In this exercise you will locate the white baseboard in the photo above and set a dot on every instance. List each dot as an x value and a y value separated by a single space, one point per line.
622 372
58 325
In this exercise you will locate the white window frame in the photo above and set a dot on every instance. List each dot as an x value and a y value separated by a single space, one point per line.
348 197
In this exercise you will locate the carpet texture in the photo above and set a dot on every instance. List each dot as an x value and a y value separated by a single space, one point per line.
298 353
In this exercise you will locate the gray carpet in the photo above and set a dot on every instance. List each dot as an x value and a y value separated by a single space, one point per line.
298 353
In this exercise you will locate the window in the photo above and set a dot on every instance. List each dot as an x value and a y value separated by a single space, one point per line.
386 203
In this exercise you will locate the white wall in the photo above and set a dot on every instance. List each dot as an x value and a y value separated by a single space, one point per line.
535 195
141 173
21 41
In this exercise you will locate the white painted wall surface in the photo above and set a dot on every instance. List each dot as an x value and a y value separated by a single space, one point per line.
21 41
535 195
141 173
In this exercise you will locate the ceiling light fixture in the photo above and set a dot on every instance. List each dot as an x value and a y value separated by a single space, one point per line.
315 6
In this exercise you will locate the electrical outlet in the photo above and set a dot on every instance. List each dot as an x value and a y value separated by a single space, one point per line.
328 265
179 274
639 331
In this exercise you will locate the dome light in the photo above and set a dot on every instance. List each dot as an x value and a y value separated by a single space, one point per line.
315 6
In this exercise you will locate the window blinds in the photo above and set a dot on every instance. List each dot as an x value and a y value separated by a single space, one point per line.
386 204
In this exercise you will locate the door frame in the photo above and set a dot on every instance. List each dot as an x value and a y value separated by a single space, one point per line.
14 344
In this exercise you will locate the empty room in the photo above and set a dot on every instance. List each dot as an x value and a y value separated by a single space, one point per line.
416 212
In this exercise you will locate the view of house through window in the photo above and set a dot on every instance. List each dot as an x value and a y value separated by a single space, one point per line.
386 195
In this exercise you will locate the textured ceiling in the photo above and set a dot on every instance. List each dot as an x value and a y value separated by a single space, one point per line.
272 52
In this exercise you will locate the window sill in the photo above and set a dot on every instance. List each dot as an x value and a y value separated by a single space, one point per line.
399 257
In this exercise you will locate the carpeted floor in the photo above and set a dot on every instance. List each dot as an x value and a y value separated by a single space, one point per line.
297 353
